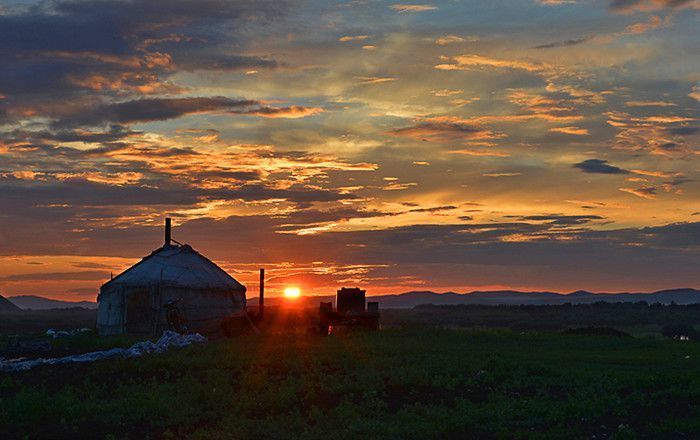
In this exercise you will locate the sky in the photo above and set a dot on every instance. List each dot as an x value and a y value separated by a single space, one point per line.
452 145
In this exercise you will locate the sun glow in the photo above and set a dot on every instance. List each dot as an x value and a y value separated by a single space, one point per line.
292 292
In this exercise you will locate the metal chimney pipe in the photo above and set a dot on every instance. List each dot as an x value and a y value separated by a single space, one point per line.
261 298
168 230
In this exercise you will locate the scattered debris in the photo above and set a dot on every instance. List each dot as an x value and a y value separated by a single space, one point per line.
60 333
168 340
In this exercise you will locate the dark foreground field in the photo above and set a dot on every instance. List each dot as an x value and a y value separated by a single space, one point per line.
401 384
38 321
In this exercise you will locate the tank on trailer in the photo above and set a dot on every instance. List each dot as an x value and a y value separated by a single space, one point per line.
352 311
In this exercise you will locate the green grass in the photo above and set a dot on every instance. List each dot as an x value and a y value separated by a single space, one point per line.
402 384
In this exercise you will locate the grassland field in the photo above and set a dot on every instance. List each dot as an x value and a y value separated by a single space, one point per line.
400 383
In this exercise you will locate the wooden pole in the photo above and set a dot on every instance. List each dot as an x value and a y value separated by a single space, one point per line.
261 297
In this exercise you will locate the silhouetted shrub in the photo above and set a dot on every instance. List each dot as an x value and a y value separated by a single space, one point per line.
599 331
679 330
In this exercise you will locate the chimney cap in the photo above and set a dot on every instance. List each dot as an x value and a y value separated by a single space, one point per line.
168 231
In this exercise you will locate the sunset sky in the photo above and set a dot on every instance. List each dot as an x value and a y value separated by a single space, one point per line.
454 145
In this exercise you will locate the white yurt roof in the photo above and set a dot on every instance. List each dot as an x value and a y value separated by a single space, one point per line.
176 266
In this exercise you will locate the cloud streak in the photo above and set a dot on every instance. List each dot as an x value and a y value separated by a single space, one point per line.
599 166
403 8
473 61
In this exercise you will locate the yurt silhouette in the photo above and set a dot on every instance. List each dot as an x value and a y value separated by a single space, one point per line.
173 283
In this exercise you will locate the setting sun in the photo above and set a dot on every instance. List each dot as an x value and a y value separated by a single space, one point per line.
292 292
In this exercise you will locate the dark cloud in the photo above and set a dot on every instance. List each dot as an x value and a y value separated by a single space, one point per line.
671 147
147 110
159 109
564 43
443 129
306 217
599 166
631 5
563 220
677 181
78 192
646 192
114 133
89 265
434 209
66 53
44 276
123 26
294 111
229 175
683 131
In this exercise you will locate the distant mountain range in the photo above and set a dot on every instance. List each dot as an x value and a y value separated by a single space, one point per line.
510 297
412 299
27 302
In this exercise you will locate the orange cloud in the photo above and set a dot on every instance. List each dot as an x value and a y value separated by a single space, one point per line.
122 178
480 153
446 92
471 61
649 104
659 174
412 8
643 27
654 133
23 175
695 93
450 39
579 95
353 38
647 192
664 119
542 107
570 130
145 84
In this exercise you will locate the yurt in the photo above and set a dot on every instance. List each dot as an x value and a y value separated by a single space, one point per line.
174 287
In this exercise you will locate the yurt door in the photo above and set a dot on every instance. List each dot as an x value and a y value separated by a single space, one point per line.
139 311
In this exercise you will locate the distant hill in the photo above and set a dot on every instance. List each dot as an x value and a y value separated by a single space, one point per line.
33 302
511 297
6 306
411 299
